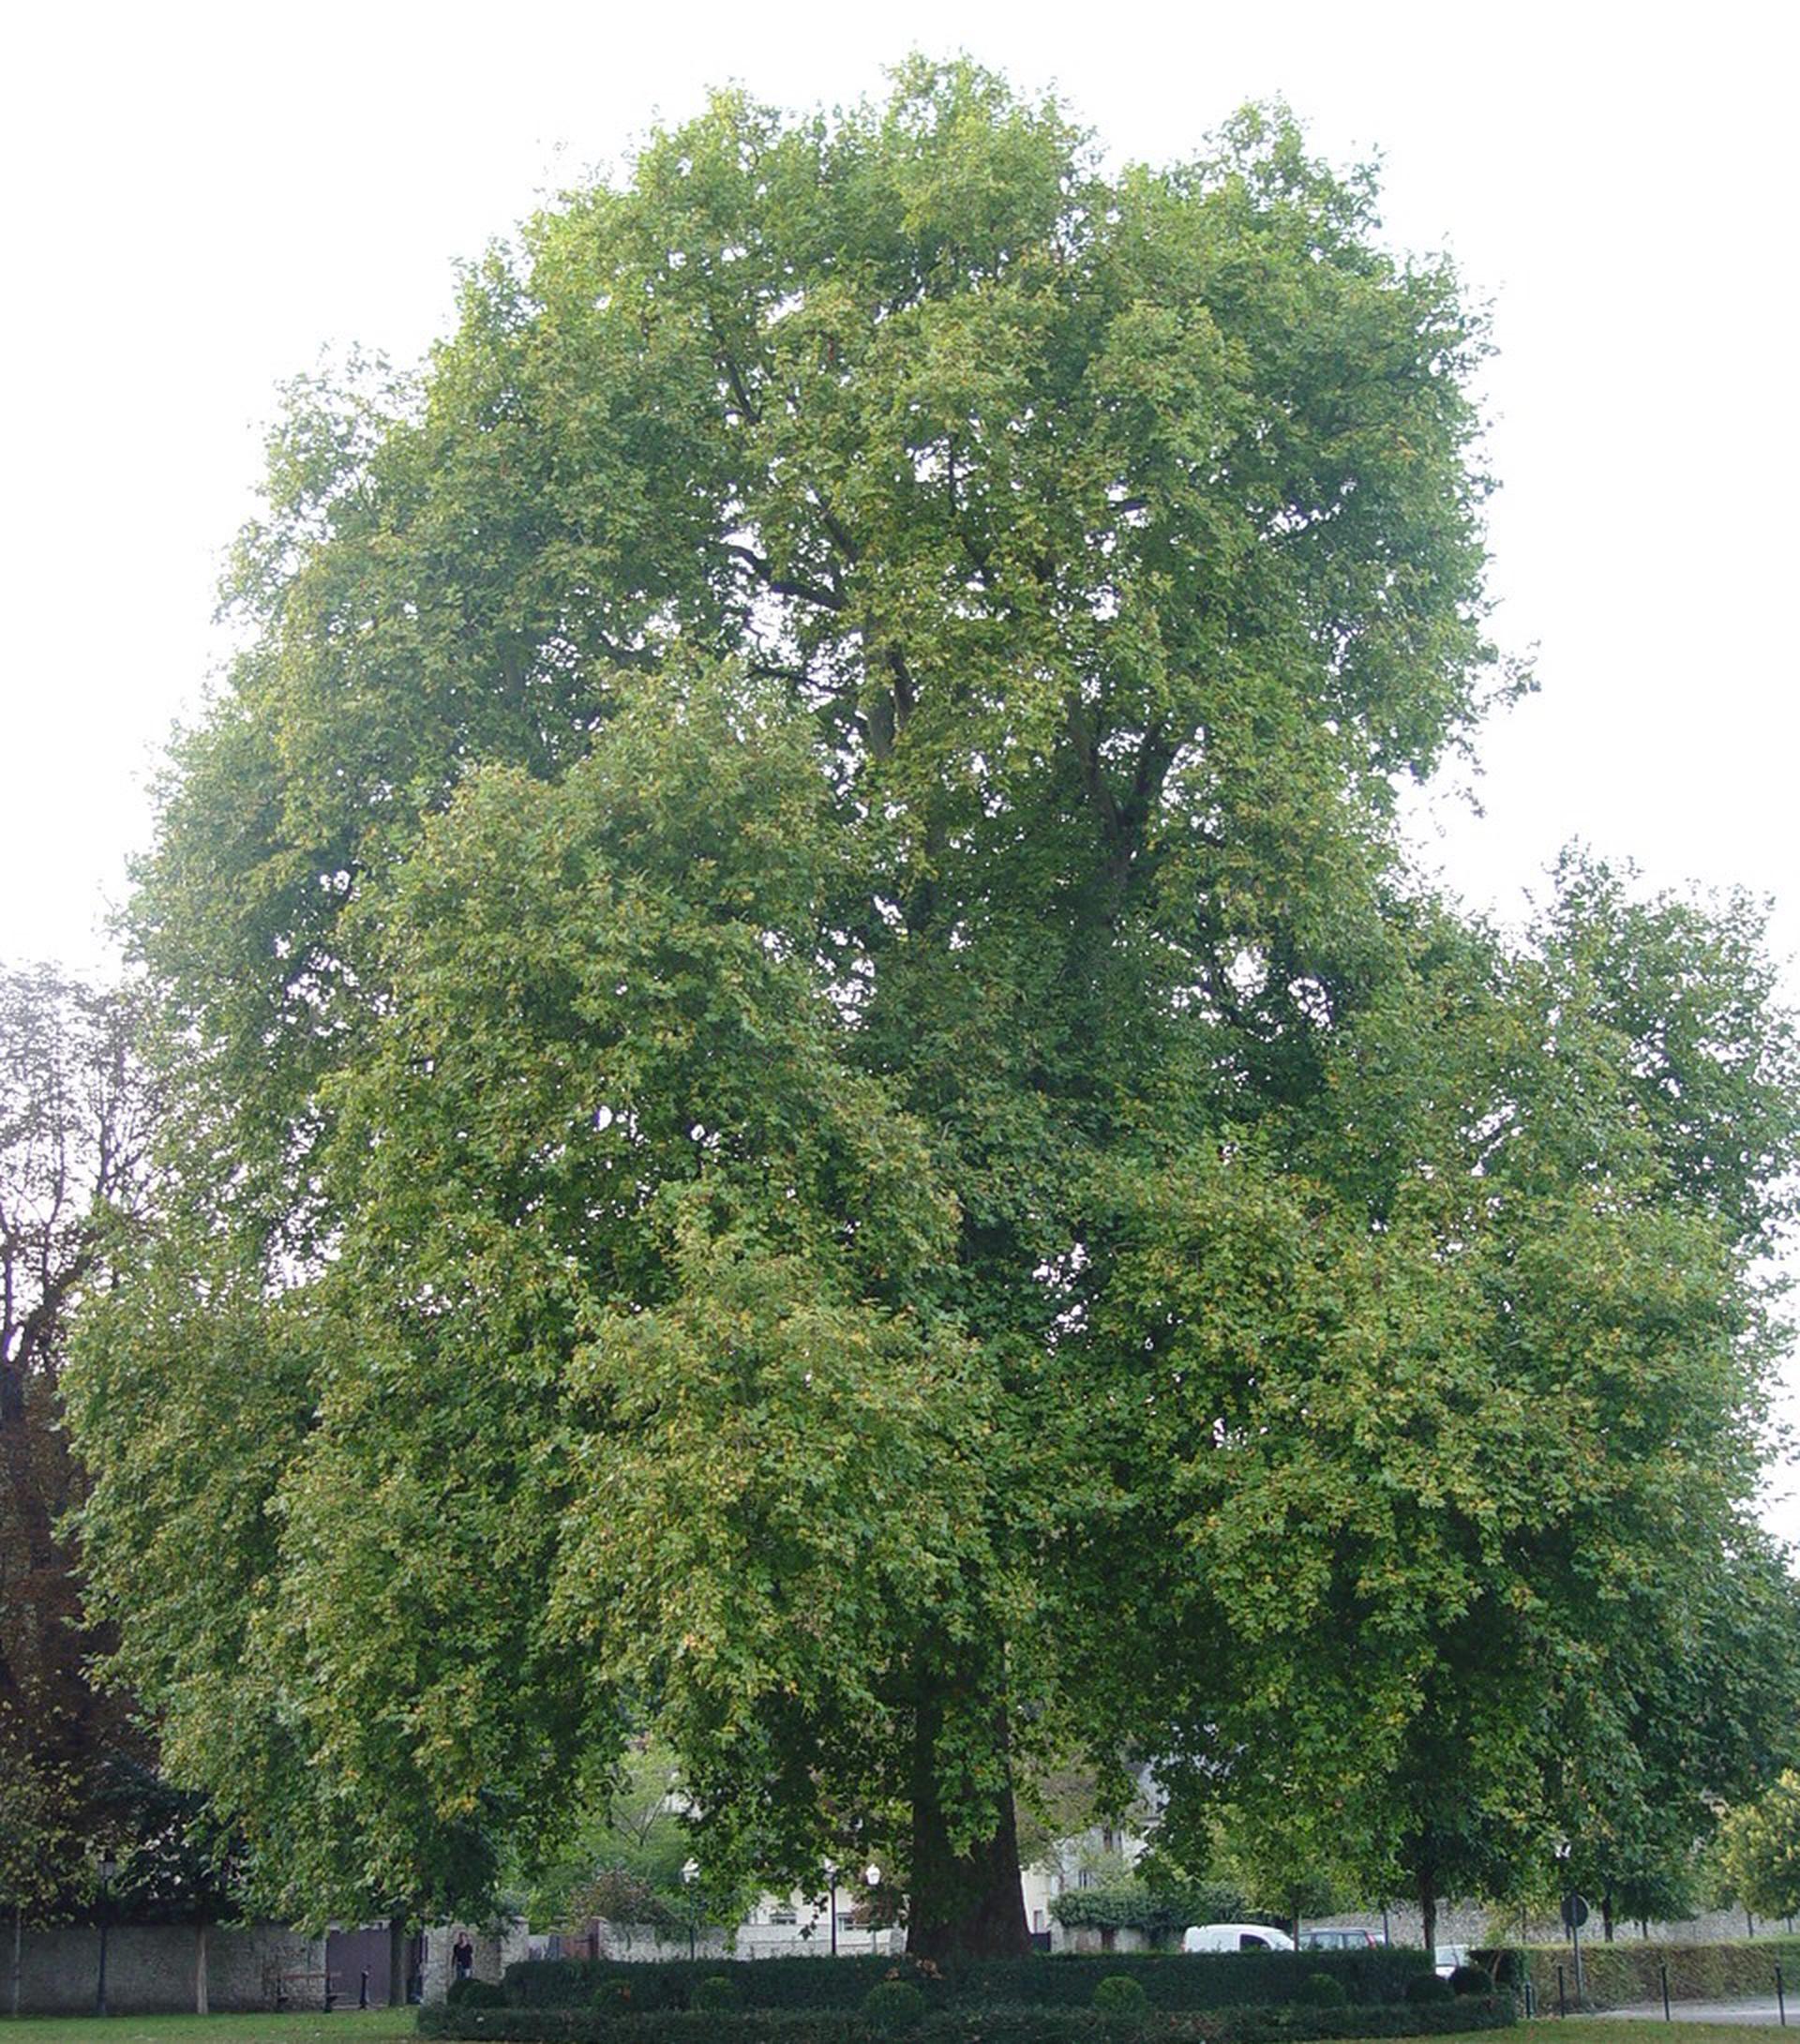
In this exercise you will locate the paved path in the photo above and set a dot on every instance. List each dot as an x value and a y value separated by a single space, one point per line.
1762 2010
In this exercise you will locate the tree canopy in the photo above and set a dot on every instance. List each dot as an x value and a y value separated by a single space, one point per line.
1761 1849
74 1128
810 1094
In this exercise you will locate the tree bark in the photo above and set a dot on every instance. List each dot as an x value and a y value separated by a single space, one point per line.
1606 1917
202 2005
396 1961
966 1904
1428 1909
18 1950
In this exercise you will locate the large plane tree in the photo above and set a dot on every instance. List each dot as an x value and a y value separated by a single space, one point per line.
762 960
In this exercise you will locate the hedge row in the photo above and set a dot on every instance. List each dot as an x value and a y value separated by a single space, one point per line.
993 2025
1626 1971
1170 1980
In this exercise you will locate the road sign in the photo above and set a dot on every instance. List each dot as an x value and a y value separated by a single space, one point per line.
1574 1912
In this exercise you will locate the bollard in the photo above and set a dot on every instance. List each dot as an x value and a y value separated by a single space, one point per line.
1666 2016
1531 1999
1780 1997
1561 1993
361 1993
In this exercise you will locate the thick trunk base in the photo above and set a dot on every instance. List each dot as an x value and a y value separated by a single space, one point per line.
962 1905
397 1941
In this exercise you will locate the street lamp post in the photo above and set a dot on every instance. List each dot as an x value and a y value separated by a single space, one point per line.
872 1875
690 1873
108 1868
1574 1912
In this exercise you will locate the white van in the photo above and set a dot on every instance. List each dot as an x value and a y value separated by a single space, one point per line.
1235 1937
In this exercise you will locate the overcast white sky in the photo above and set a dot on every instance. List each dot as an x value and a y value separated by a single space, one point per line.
199 197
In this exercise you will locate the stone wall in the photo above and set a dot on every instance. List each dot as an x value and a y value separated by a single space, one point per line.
495 1951
150 1968
1478 1923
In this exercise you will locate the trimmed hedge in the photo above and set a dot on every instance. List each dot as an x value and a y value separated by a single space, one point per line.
1377 1974
1118 1995
472 1993
991 2025
1626 1971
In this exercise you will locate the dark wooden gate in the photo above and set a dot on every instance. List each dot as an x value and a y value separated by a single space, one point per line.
350 1954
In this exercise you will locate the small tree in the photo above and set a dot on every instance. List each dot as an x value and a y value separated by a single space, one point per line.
1760 1850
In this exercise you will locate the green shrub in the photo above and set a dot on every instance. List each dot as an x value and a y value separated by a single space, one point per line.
1428 1987
997 2024
1118 1995
1161 1913
1325 1990
715 1990
892 2005
628 1997
1377 1975
474 1994
1628 1971
1471 1980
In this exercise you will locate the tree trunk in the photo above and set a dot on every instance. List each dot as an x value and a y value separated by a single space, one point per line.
396 1961
1606 1917
966 1904
1428 1910
18 1950
202 2005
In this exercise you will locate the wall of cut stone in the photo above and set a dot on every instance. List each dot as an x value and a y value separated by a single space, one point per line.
150 1968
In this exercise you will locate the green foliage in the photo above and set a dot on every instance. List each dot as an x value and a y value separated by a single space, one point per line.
74 1118
622 1859
1178 1981
1759 1849
1582 1323
618 1994
1119 1994
1471 1980
808 1092
474 1994
716 1992
891 2007
1428 1987
1000 2025
1325 1990
1631 1970
1125 1905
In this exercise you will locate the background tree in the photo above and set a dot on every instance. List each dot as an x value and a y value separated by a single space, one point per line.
623 1860
762 963
1759 1849
174 1865
1504 1522
74 1124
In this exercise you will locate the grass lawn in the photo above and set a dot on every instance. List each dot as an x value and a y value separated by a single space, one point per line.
1595 2030
395 2026
352 2026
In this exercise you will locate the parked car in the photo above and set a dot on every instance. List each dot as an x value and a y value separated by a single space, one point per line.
1332 1937
1235 1937
1447 1957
